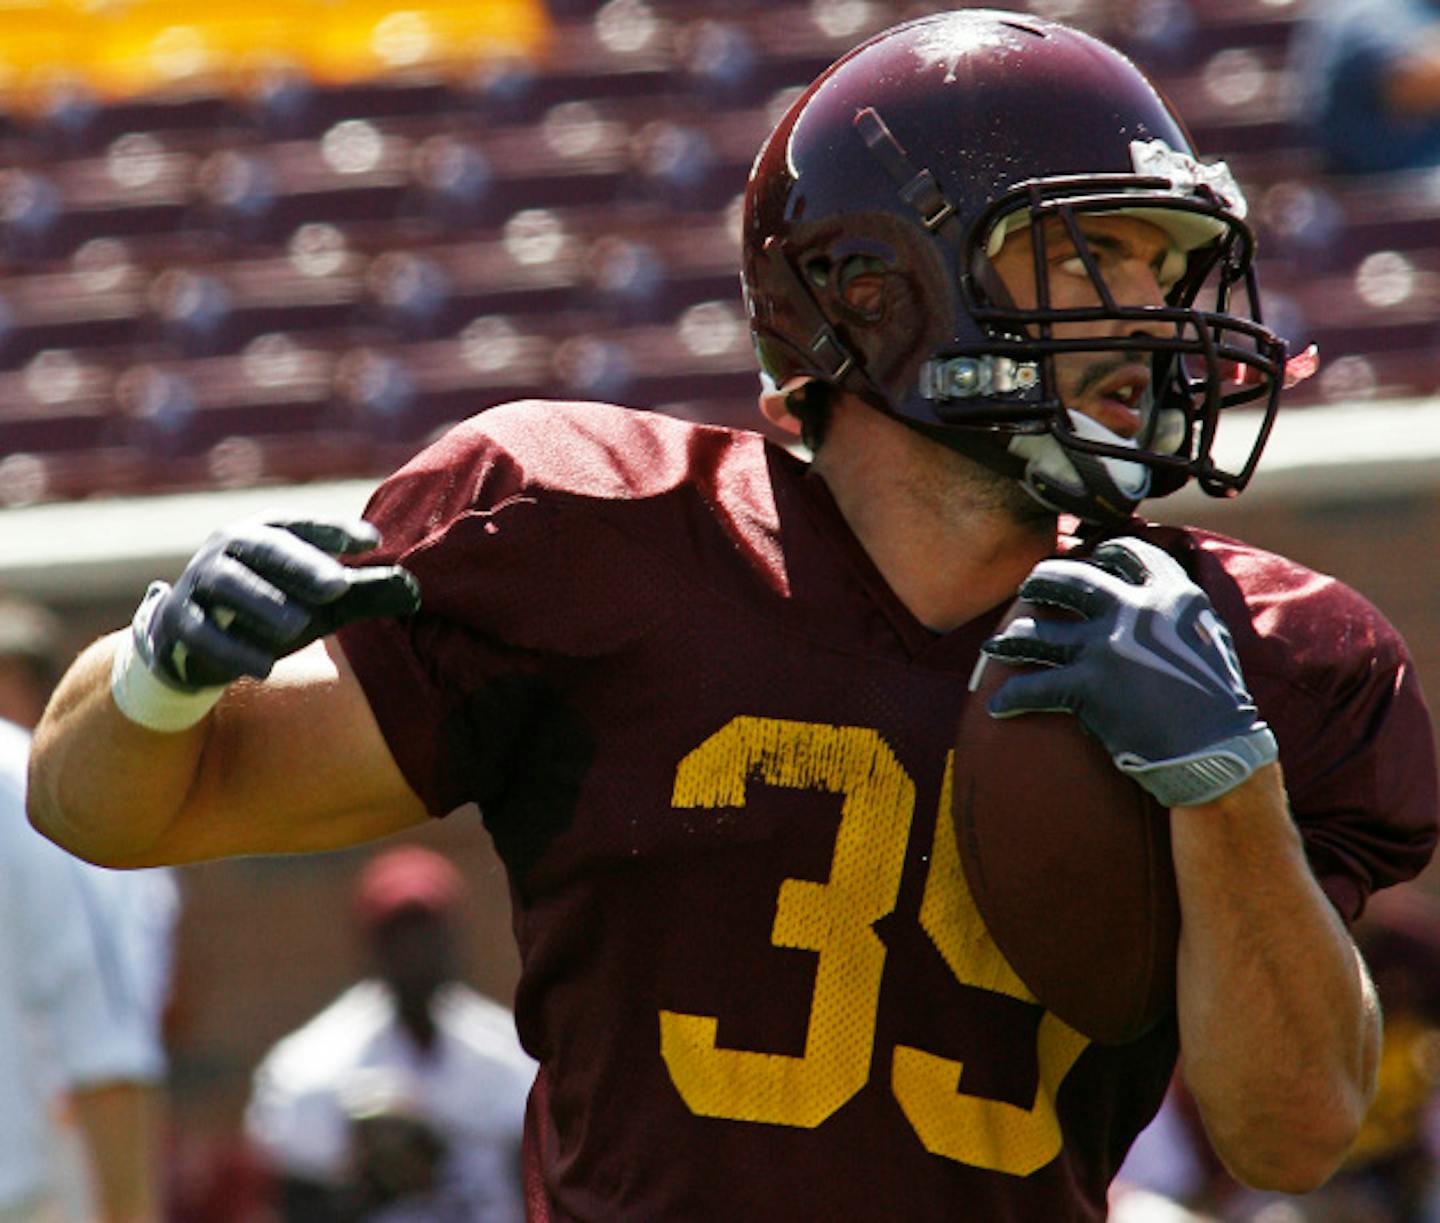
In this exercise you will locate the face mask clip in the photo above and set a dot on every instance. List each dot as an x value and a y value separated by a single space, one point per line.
968 377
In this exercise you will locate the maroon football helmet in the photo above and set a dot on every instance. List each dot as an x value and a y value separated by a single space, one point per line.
875 206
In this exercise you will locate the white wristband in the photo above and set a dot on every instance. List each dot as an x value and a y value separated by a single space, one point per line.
144 698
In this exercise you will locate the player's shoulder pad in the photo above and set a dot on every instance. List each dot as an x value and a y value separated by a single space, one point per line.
593 450
537 459
1284 615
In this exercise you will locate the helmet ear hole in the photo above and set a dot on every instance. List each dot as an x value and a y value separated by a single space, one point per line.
861 282
858 281
817 271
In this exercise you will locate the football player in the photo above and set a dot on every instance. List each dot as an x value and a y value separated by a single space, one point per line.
704 693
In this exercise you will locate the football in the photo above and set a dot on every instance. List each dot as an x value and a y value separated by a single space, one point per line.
1068 861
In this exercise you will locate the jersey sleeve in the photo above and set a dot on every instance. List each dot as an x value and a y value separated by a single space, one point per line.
522 583
1359 767
1336 682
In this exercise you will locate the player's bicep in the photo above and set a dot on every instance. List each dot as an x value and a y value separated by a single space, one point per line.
293 764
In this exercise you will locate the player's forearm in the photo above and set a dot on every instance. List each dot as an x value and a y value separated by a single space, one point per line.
101 786
1279 1029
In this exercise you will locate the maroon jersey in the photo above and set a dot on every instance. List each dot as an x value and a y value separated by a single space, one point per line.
713 750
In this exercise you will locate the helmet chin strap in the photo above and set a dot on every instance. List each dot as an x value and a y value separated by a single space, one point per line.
1091 487
1094 487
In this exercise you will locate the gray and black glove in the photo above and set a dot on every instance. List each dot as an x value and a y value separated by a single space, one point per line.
251 595
1147 667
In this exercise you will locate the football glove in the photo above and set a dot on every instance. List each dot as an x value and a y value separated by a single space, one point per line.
1144 663
251 595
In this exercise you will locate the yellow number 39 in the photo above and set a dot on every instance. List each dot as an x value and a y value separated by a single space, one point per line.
836 919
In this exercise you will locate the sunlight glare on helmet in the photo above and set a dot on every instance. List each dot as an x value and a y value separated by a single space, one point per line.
948 43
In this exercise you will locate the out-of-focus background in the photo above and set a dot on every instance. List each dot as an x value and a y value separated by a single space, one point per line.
254 253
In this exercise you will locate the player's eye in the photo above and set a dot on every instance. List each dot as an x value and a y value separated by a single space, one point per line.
1169 269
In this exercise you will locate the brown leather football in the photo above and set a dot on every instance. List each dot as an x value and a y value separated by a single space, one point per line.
1069 864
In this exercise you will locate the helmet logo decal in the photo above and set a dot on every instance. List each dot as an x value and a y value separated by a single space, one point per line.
1156 159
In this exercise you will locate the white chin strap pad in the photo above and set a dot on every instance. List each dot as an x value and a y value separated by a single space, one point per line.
1046 457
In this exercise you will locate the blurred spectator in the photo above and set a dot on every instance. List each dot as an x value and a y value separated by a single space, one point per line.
84 974
1368 73
31 659
405 1098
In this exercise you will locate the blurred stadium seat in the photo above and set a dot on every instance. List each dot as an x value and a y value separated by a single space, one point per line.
285 240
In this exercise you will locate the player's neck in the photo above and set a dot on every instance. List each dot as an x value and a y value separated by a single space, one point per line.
949 538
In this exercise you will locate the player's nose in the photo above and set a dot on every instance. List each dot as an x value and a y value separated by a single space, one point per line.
1141 288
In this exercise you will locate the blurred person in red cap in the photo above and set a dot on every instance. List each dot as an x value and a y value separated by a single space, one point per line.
404 1099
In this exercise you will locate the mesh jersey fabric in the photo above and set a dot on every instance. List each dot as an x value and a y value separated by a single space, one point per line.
712 748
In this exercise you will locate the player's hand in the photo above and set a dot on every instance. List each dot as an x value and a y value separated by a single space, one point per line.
251 595
1145 664
257 592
